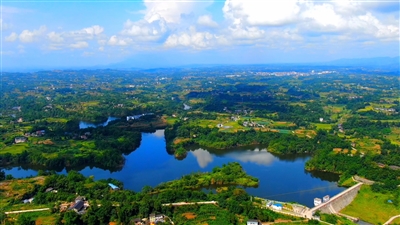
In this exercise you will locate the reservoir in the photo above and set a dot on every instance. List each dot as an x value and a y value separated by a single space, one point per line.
281 177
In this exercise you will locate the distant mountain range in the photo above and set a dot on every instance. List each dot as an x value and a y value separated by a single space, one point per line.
388 64
385 63
367 62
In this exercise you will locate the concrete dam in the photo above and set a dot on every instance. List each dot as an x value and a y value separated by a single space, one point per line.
336 203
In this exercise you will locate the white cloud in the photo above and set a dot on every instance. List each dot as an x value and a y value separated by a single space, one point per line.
191 39
84 34
171 11
145 31
79 44
252 20
94 30
55 37
27 36
268 12
206 20
115 41
12 37
239 32
347 18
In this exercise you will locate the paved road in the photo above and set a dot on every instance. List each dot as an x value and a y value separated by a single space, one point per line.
189 203
391 219
28 210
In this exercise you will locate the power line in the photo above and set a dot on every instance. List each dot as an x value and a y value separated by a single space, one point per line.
320 188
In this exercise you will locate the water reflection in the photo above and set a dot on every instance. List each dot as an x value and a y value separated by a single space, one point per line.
203 157
84 125
158 134
257 156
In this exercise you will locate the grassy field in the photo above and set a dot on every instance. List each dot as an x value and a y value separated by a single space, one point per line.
374 105
333 109
372 207
368 145
40 218
14 149
16 188
394 137
322 126
92 103
56 120
396 221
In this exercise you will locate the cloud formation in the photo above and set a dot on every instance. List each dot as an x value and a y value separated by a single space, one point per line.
193 26
79 44
28 36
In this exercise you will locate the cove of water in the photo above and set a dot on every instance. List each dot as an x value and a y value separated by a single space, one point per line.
282 178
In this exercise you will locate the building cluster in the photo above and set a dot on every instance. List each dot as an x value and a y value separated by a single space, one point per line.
385 109
252 124
38 133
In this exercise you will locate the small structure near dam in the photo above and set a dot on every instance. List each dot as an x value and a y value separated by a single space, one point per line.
336 203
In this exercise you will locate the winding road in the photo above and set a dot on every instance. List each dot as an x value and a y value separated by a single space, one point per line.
391 219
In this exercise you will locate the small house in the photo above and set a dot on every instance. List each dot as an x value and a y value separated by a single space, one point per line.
252 222
159 218
20 140
325 198
30 200
78 206
317 201
114 187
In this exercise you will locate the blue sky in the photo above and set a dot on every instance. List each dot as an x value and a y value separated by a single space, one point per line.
168 33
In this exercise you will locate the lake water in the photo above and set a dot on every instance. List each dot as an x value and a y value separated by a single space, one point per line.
281 177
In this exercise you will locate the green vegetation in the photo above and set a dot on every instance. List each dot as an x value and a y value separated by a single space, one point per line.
229 174
234 204
333 219
348 120
373 207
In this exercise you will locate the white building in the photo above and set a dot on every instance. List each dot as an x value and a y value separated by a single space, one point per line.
317 201
277 206
252 222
